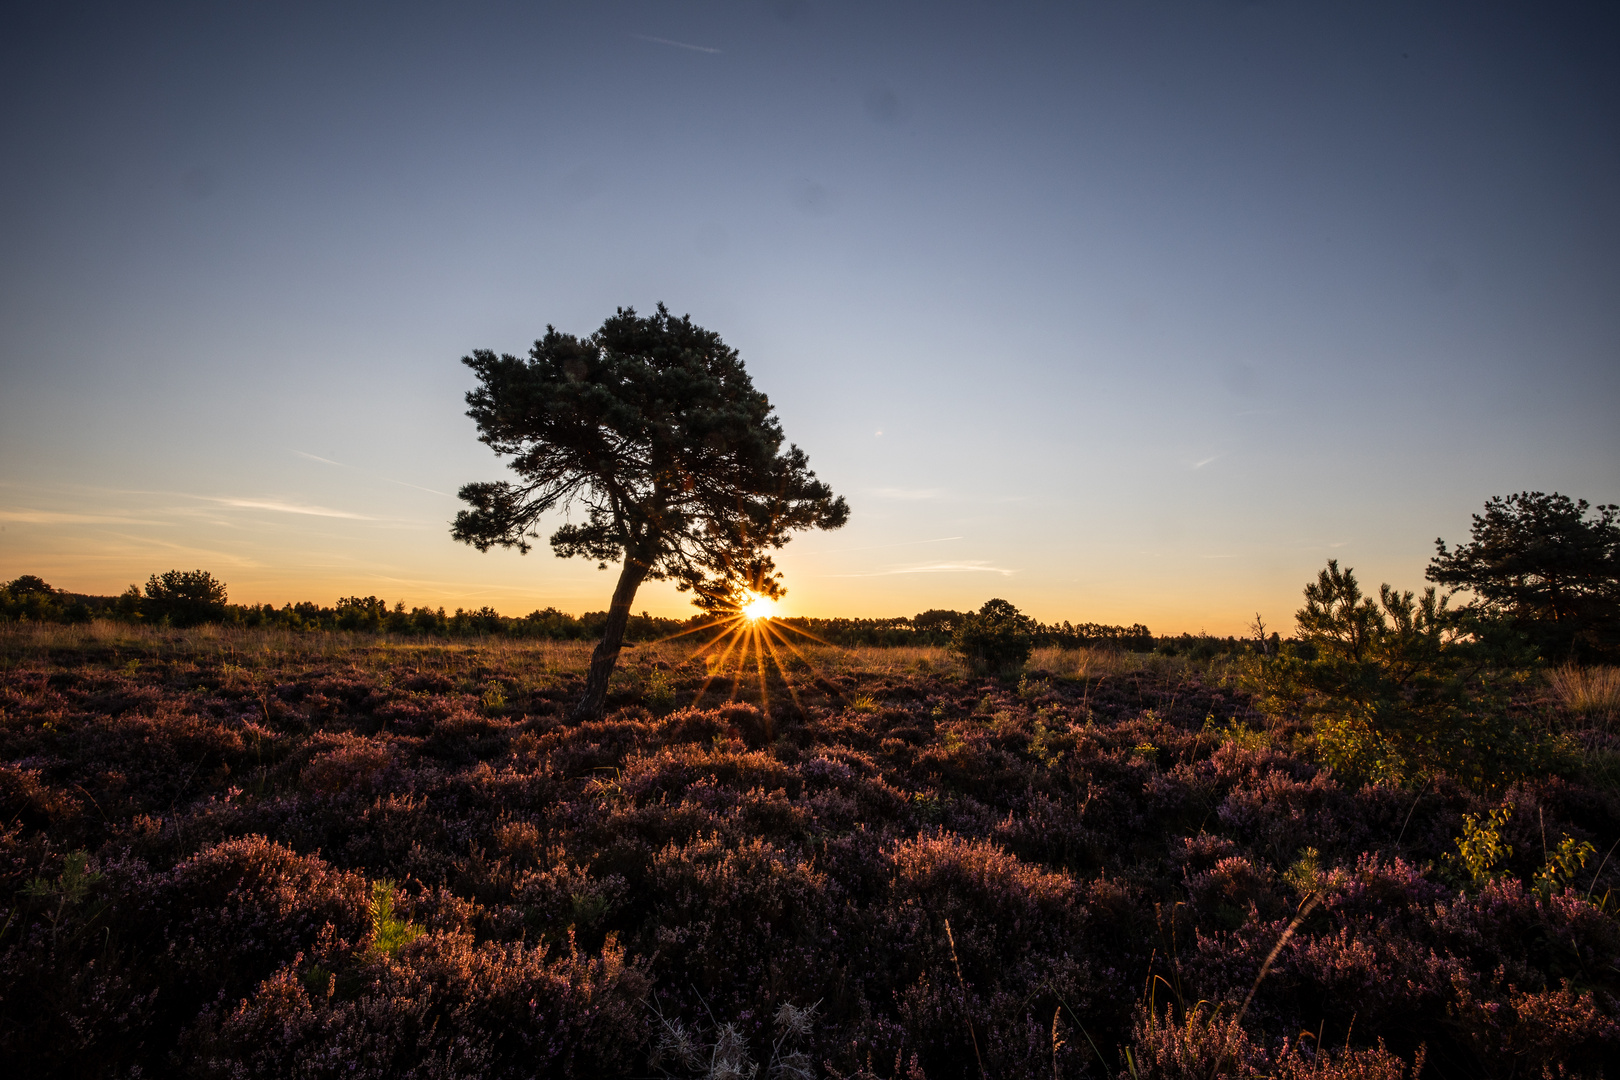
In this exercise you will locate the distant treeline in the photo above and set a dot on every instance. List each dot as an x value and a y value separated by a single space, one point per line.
937 626
193 597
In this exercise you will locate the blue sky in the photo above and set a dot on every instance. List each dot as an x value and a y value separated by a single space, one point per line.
1120 311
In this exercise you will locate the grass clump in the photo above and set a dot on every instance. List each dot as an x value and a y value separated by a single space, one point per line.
1591 693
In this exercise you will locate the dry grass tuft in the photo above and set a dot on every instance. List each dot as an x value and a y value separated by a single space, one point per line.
1593 692
1088 663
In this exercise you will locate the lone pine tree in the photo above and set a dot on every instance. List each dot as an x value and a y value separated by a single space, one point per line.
1542 561
652 427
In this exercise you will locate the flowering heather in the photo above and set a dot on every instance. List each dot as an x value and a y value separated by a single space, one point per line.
249 856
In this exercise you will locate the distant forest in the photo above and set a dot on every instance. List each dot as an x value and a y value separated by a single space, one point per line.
192 597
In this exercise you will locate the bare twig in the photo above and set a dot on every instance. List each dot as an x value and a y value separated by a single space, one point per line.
1599 870
1265 969
963 984
1424 790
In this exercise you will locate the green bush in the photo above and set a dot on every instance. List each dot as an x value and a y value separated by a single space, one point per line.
1401 688
995 640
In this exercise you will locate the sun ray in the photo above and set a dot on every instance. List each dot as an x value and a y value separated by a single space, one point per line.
742 661
787 680
749 634
808 634
759 662
706 646
735 635
693 630
796 650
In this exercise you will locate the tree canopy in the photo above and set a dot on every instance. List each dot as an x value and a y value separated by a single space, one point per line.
652 431
1541 560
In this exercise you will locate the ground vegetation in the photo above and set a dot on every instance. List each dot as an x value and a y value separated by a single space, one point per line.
256 852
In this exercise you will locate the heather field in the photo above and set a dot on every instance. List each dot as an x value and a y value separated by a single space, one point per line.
255 853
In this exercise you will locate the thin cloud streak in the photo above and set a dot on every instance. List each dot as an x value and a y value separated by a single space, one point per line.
52 517
139 542
676 44
936 568
909 494
879 547
368 472
284 507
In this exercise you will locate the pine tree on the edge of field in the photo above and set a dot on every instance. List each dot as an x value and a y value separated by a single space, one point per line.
1542 561
653 428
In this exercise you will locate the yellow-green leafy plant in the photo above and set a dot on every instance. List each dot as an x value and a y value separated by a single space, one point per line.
1047 746
1030 689
1563 863
1306 873
1235 733
1480 848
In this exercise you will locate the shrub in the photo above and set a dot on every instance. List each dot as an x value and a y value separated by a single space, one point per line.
995 640
445 1007
1480 848
30 598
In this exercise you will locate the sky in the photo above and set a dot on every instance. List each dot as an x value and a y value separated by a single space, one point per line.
1122 311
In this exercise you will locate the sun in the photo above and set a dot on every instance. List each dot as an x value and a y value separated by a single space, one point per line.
757 607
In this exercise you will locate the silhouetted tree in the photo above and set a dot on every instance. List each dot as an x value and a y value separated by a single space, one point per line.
184 597
937 622
653 427
1540 560
29 597
29 585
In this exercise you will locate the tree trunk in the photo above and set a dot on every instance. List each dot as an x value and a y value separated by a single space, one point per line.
607 650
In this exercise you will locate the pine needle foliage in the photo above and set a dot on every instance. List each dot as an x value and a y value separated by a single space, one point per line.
1549 562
